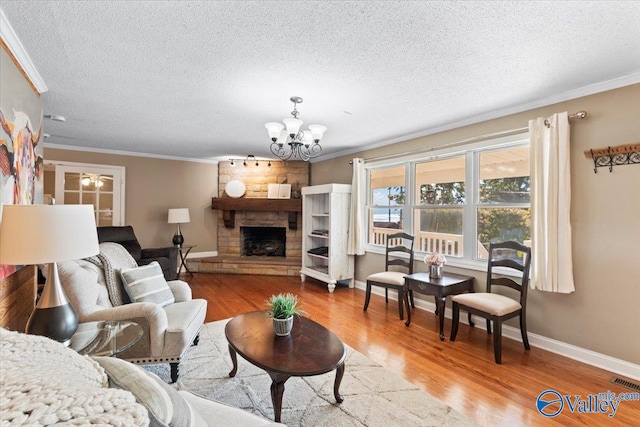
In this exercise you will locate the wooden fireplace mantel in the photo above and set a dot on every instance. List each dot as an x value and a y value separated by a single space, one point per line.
229 206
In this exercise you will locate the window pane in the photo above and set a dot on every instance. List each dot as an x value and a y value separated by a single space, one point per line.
502 224
439 230
387 186
504 176
105 218
72 181
105 182
71 198
441 182
382 223
89 181
385 203
89 199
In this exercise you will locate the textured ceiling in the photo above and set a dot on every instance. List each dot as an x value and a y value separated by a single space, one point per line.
200 79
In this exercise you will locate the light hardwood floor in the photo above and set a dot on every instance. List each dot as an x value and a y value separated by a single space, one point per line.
462 374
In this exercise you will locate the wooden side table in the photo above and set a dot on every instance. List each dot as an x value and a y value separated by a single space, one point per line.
449 284
184 252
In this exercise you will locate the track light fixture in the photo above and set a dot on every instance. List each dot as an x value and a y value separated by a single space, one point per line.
250 158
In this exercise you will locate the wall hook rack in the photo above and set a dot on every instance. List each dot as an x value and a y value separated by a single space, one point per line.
627 154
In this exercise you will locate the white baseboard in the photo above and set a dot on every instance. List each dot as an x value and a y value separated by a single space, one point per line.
202 254
599 360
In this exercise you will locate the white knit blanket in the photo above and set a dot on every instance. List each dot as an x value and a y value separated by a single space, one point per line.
43 383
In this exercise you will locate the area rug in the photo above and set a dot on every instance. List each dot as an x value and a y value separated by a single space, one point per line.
373 396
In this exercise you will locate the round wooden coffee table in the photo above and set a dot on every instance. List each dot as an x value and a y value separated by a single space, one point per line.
310 349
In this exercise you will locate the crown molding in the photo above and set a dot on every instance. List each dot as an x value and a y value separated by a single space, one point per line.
128 153
14 44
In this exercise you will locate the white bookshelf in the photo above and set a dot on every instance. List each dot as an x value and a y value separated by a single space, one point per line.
325 224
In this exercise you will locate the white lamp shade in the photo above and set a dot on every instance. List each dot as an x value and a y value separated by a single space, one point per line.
274 129
179 216
41 234
317 131
293 125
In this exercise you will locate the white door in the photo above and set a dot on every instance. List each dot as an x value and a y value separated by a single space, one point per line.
100 186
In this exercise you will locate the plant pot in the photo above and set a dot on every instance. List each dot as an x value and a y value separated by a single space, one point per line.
282 327
436 271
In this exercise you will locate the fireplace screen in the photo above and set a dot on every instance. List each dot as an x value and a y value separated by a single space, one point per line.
263 241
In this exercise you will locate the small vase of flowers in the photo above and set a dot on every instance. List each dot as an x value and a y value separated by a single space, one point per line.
436 262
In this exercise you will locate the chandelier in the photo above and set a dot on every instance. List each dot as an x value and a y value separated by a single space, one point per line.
295 142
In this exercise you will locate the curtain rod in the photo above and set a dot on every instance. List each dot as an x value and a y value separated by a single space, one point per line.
575 116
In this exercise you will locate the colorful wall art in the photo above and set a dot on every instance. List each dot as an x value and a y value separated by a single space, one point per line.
21 153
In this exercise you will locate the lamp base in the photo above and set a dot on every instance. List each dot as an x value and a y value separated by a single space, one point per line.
178 240
58 323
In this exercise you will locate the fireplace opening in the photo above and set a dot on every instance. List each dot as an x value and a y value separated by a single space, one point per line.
263 241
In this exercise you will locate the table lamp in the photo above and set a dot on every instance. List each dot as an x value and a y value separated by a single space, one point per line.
178 216
48 234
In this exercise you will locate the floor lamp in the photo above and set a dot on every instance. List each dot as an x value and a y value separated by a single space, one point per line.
48 234
178 216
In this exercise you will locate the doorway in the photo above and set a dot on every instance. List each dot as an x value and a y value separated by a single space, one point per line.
101 186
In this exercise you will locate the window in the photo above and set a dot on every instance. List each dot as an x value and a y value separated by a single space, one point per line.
503 210
440 198
386 203
459 201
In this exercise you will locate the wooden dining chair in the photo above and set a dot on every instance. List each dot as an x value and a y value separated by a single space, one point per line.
495 307
397 265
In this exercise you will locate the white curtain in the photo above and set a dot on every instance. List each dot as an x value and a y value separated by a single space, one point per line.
356 237
552 264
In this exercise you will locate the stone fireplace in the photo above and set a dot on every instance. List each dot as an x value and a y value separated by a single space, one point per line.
241 226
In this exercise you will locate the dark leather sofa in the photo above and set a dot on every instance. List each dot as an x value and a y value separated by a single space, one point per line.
166 257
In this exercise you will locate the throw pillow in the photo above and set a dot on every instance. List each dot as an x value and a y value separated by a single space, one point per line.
166 407
147 284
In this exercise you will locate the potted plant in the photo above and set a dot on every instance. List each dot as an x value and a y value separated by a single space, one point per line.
436 262
282 307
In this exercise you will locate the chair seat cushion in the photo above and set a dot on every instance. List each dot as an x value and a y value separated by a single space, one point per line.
494 304
395 278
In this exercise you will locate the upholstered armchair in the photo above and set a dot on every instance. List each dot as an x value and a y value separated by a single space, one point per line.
124 235
169 330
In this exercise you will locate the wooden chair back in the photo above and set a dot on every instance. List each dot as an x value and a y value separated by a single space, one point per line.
506 254
393 251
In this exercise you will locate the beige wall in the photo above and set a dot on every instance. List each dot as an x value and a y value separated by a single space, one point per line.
153 186
602 315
